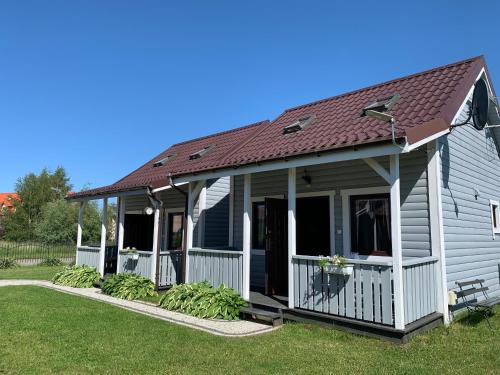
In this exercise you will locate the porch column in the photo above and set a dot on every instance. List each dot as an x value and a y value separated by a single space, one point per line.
397 256
436 224
104 230
79 229
121 231
231 213
189 229
202 204
292 234
247 223
154 253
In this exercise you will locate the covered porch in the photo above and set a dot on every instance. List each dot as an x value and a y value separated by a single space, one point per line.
396 285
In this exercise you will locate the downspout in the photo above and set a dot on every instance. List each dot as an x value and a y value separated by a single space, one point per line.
157 203
184 242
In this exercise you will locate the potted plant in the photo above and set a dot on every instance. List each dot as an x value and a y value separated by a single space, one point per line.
132 252
336 265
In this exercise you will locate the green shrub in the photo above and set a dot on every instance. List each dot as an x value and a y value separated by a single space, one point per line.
77 277
204 301
51 262
128 286
7 263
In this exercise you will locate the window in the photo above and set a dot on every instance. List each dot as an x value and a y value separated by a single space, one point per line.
371 224
162 162
200 153
495 217
298 125
381 104
175 230
259 225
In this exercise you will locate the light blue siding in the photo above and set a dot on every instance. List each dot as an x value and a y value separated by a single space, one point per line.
470 164
217 213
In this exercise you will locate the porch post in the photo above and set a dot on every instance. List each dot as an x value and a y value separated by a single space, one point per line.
436 224
189 230
397 256
292 234
104 230
202 204
231 212
247 222
80 229
154 253
121 231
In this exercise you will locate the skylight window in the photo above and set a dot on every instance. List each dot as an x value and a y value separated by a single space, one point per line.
162 162
200 153
381 104
298 125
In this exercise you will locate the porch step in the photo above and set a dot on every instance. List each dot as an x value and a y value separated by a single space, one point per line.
252 313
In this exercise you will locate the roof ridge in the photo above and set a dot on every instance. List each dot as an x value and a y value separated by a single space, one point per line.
220 133
402 78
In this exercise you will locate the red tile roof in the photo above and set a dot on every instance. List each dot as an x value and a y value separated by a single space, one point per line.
7 199
423 97
221 144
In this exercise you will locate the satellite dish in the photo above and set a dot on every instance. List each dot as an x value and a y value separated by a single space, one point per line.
480 105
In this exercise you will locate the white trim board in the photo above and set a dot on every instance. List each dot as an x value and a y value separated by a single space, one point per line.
302 161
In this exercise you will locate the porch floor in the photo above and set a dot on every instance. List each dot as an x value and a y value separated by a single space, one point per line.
275 302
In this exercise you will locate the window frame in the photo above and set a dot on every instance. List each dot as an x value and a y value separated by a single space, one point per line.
495 217
346 220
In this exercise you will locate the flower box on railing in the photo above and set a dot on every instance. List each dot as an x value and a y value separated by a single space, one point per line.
347 270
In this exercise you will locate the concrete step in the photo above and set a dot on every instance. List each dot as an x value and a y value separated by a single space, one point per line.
264 316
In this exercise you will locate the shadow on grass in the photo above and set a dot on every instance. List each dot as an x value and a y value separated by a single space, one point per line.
473 319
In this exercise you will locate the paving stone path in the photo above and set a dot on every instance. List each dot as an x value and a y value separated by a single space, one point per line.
237 328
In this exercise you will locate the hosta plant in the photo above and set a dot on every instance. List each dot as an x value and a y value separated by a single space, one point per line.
204 301
128 286
7 263
77 277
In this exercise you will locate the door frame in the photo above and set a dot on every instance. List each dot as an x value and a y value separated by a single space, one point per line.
167 211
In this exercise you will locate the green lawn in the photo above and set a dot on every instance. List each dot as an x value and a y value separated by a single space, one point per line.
30 272
45 331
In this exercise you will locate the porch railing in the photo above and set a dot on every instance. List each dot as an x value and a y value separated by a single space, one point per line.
170 267
217 267
419 288
88 256
141 266
364 295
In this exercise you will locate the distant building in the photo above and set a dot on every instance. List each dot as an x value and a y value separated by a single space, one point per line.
7 201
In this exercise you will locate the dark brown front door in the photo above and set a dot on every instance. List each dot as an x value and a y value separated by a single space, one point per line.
276 247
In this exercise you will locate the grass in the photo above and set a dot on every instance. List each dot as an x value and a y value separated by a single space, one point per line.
45 331
30 272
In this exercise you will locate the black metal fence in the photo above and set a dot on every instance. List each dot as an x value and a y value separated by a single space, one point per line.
32 252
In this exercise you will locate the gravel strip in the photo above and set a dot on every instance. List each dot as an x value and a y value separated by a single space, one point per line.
236 328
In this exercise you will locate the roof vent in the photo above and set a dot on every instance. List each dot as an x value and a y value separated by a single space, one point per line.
298 125
162 162
381 104
200 153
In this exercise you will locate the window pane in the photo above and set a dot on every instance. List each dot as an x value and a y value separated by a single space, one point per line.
175 224
370 225
259 225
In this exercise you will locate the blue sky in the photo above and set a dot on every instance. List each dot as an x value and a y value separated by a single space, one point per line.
100 87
